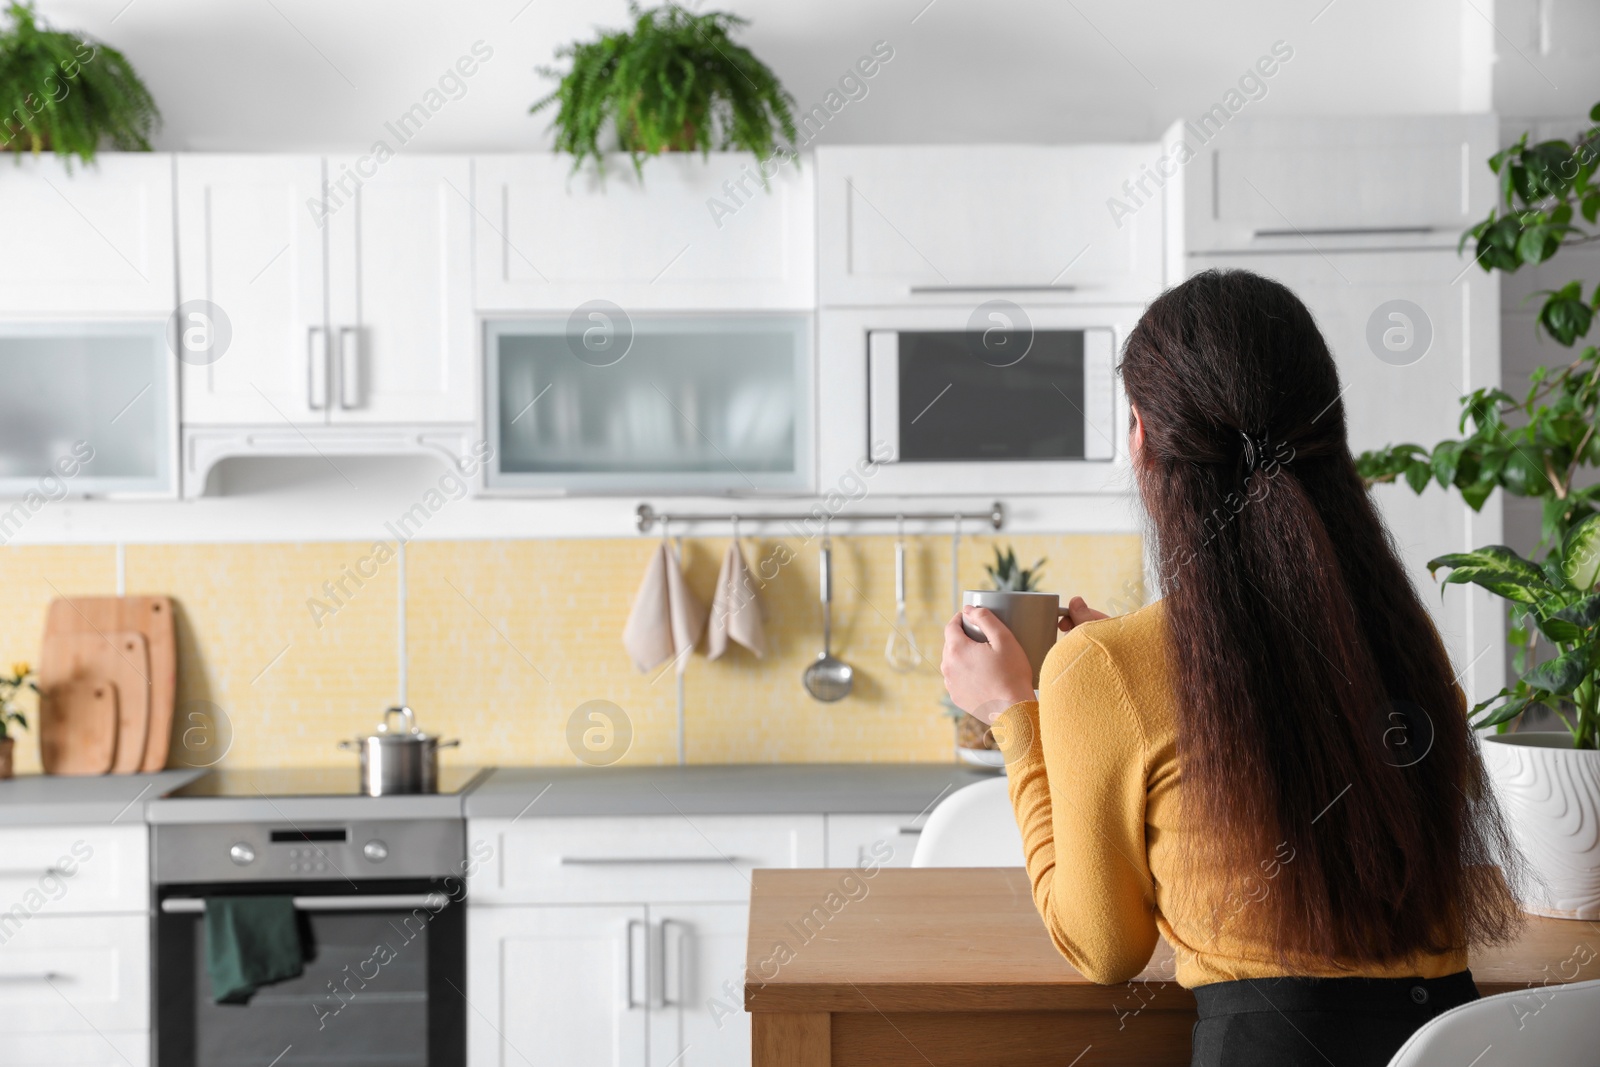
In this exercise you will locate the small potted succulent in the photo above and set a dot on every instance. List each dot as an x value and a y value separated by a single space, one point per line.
675 82
1548 782
975 743
21 678
64 93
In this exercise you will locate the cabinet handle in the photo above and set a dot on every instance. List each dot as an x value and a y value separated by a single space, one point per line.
673 979
1347 231
317 368
628 1000
350 367
994 289
42 976
33 872
619 861
911 829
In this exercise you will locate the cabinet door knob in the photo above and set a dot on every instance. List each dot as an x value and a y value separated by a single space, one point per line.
317 369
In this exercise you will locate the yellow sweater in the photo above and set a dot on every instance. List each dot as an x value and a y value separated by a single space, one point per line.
1095 783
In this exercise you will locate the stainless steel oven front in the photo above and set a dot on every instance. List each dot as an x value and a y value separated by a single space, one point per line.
381 915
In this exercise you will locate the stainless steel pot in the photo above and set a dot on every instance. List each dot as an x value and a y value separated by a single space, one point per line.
398 761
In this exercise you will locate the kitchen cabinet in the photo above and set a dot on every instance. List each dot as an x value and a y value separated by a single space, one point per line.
697 1016
98 869
1340 182
618 403
73 973
692 233
559 985
1390 401
945 224
347 295
96 238
879 840
250 248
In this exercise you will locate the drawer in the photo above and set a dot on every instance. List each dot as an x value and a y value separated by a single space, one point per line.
879 840
89 972
73 870
109 1048
621 860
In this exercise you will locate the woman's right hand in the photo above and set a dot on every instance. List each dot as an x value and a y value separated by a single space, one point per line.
1079 613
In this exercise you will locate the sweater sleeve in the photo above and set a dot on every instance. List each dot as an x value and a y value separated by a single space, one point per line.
1077 766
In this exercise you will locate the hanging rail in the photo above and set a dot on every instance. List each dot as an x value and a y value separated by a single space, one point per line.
648 516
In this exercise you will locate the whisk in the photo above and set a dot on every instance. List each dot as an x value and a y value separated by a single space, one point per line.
901 649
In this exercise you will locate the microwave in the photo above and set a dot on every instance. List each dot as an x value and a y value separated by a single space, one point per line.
992 398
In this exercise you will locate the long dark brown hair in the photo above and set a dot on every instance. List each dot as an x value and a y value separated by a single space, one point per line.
1322 741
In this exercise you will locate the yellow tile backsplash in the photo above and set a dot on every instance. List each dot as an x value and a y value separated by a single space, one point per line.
298 644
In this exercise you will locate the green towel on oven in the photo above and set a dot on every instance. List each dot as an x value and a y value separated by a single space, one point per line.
250 942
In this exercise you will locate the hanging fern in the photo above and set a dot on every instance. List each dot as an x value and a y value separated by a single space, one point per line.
65 93
676 82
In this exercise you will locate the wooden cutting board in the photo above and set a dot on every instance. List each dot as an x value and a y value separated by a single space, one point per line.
78 726
151 616
120 658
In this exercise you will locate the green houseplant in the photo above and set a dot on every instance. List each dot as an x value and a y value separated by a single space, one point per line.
1008 577
21 678
674 82
62 92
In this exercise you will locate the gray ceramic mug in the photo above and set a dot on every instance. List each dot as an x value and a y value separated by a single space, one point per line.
1032 619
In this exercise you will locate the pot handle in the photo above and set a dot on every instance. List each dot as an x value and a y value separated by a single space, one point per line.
349 746
449 744
405 712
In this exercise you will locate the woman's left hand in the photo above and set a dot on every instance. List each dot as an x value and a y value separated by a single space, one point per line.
984 679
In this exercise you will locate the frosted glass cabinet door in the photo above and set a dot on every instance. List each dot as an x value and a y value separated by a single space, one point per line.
604 403
88 409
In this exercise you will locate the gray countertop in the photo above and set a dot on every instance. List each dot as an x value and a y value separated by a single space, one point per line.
45 799
507 792
732 789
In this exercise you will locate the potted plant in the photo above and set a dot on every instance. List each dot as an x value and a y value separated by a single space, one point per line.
975 742
21 678
675 82
65 93
1549 782
1538 446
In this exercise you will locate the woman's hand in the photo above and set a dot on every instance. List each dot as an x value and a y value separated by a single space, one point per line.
984 679
1079 613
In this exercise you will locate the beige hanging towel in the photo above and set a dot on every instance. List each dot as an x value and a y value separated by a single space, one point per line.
735 611
667 619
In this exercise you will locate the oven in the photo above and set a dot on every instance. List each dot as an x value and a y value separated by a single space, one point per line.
381 913
989 394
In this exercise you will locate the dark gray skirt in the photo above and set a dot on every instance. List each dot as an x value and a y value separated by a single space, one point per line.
1317 1022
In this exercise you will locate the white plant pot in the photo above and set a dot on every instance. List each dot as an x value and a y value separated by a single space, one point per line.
1550 793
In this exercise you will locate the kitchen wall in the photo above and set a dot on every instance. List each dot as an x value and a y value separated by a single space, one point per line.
505 638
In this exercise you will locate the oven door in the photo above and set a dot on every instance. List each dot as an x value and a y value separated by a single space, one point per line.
384 980
992 398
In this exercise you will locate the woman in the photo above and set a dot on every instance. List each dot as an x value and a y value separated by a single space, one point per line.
1270 767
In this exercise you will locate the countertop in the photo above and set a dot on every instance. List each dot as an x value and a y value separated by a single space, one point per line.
958 960
507 792
718 789
47 799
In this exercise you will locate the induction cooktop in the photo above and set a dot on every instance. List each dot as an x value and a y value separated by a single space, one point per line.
308 782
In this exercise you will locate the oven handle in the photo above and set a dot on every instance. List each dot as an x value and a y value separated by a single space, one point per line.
372 902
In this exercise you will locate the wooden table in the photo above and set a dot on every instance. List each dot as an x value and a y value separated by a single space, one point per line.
953 968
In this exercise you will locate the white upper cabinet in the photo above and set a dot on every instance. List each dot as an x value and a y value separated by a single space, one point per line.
249 247
400 290
94 239
1279 184
348 302
918 224
693 234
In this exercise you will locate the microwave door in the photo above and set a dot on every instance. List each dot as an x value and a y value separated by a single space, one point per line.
883 395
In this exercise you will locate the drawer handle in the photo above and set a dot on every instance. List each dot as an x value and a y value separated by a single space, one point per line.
621 861
42 976
1348 231
911 829
375 902
33 872
994 288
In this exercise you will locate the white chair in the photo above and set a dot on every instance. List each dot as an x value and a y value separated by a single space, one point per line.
1549 1025
972 827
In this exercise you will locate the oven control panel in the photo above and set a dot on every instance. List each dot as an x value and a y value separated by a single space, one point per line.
352 850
